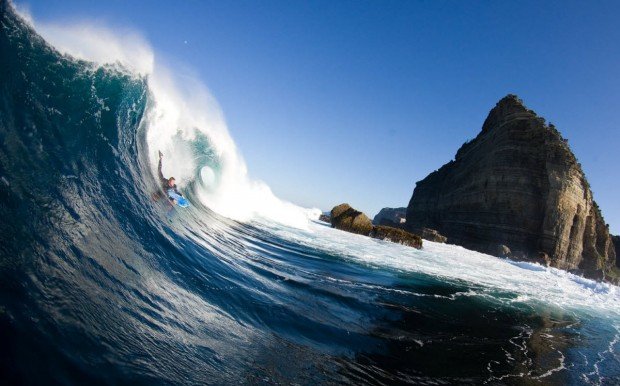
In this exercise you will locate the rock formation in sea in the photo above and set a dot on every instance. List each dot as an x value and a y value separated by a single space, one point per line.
394 217
396 235
345 218
429 234
325 218
518 190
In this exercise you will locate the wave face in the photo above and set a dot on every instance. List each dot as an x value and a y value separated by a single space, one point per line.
99 284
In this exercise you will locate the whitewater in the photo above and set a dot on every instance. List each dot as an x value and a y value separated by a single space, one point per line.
99 284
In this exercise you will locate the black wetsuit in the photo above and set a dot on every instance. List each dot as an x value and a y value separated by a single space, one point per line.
164 183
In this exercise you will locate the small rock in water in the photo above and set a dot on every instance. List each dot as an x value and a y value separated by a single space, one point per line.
345 218
502 250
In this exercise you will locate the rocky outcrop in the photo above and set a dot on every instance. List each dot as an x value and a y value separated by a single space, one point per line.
325 218
430 235
345 218
396 235
394 217
516 185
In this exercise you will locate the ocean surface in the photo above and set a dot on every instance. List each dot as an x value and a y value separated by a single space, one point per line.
101 284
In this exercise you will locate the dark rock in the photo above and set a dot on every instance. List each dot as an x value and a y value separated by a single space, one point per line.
345 218
390 223
612 279
613 276
394 217
543 259
430 235
396 235
576 271
501 250
325 218
616 241
517 184
596 274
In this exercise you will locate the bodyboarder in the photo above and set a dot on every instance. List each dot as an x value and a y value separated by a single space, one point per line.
167 184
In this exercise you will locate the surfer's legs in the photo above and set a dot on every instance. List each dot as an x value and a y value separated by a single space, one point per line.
157 196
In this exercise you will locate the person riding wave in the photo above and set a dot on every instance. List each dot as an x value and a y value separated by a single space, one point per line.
167 184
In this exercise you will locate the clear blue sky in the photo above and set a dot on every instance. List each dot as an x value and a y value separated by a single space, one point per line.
334 101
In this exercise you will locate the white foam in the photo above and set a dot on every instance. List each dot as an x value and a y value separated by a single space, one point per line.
493 278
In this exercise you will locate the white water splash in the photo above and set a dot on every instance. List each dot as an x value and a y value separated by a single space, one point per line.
491 277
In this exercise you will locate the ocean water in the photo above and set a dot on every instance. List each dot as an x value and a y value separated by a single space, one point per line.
99 284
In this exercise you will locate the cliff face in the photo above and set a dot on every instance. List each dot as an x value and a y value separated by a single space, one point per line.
616 241
516 184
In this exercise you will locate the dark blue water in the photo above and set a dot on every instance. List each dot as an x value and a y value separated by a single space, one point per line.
101 285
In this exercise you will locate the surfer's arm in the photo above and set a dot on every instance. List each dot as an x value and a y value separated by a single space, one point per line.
159 173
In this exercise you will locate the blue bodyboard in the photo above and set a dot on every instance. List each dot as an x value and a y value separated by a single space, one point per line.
180 200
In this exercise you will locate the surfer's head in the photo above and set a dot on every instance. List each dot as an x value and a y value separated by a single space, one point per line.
171 181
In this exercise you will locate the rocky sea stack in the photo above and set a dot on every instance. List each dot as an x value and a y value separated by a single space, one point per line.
517 188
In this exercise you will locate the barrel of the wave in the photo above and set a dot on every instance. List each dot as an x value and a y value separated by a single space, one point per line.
207 176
